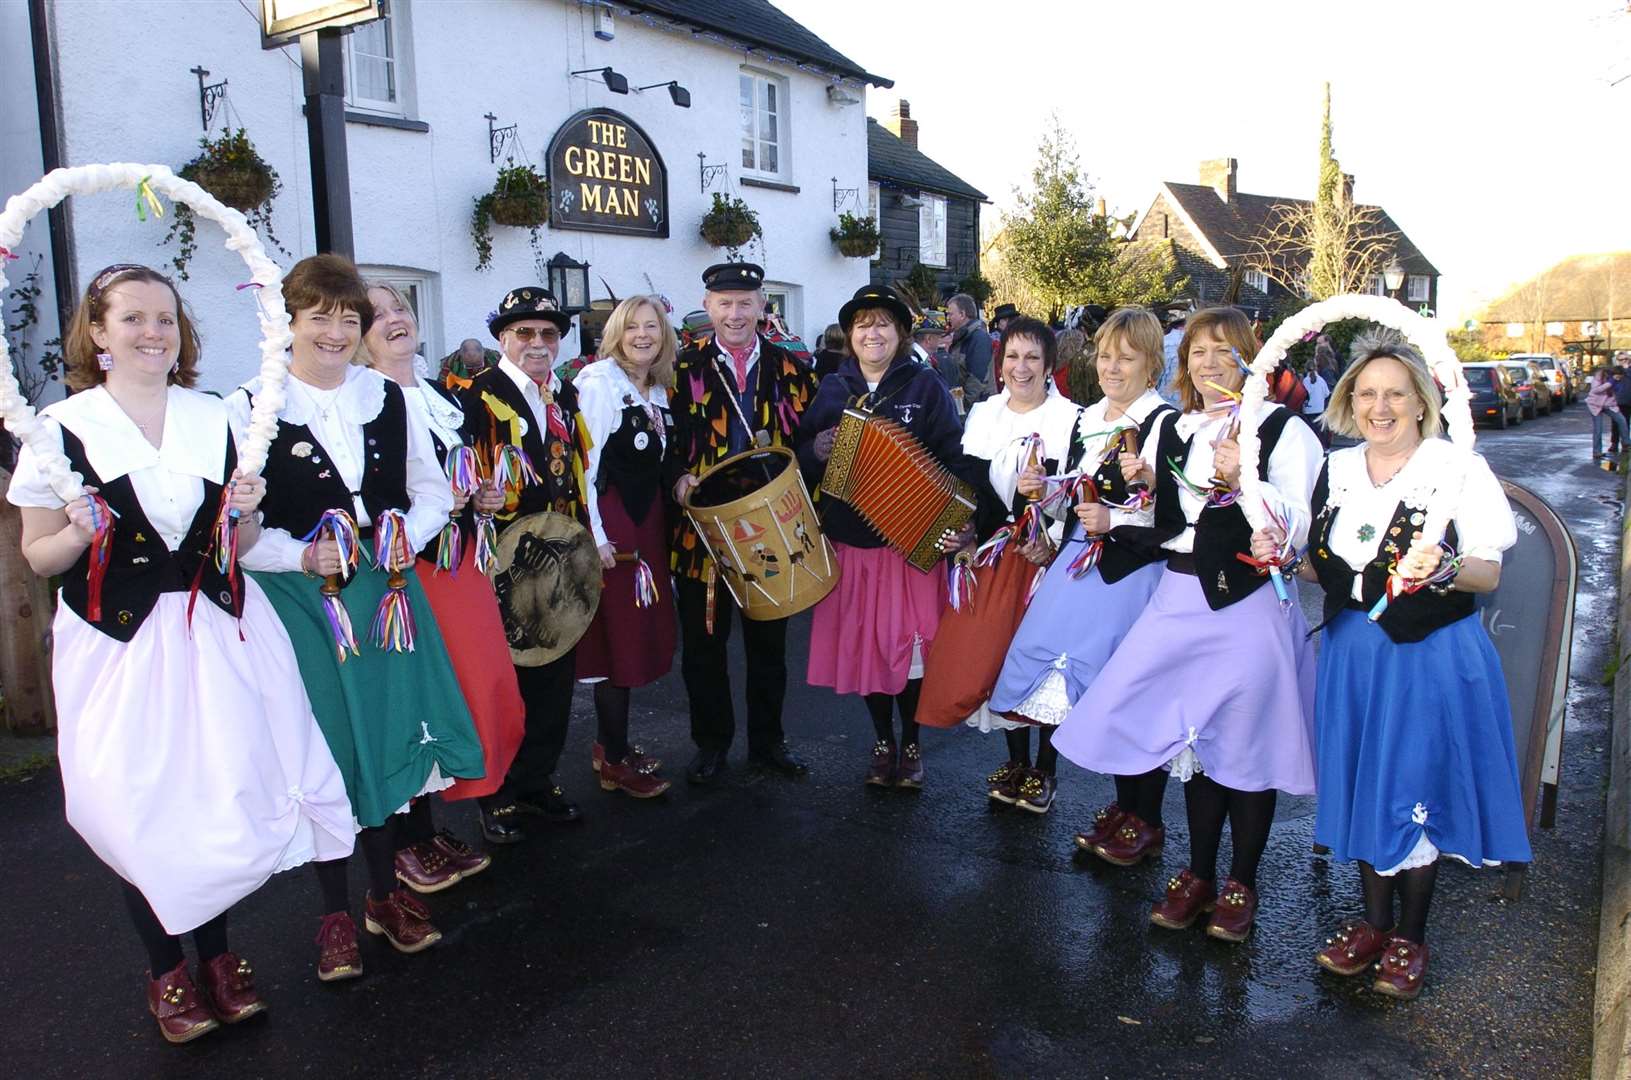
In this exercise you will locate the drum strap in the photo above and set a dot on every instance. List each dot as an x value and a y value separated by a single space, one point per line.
710 576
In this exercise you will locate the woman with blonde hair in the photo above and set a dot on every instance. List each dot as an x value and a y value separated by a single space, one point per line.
623 399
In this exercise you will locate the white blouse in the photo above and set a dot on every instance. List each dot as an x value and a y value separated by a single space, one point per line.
168 480
604 391
1293 468
996 432
1483 518
427 407
336 418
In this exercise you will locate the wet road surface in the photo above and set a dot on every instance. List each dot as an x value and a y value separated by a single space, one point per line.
770 927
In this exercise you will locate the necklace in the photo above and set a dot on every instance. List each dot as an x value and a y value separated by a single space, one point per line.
1386 480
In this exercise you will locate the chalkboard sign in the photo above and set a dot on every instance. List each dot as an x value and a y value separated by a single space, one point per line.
606 176
1530 618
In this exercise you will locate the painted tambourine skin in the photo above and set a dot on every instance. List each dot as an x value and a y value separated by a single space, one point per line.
1424 333
19 415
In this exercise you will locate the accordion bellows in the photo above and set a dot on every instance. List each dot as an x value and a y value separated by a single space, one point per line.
887 476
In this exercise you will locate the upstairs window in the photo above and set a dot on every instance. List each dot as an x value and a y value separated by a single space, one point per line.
1420 287
931 230
376 62
763 100
1258 280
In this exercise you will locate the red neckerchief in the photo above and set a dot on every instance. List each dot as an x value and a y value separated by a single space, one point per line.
554 419
740 357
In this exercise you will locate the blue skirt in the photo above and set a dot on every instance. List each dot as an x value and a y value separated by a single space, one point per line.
1414 744
1072 627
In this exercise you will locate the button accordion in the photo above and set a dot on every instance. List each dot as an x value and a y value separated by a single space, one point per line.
887 476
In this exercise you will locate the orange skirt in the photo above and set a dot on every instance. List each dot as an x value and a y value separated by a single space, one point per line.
473 630
963 663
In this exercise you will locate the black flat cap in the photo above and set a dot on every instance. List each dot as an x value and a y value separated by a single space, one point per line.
734 277
528 302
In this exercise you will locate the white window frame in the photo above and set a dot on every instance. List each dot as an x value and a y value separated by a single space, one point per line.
874 203
397 24
1420 288
931 208
424 290
1258 280
1378 285
783 141
788 299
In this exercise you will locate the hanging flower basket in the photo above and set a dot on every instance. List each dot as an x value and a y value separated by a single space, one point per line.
519 198
730 223
229 168
856 237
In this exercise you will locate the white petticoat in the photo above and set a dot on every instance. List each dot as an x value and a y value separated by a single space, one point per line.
191 762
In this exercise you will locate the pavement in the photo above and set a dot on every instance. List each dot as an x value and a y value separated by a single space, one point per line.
769 927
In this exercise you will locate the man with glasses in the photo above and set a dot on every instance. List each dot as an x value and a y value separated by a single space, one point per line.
522 402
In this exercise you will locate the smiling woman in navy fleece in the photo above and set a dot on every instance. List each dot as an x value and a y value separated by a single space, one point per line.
869 635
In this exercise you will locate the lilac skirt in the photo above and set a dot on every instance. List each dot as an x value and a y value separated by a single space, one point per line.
1235 687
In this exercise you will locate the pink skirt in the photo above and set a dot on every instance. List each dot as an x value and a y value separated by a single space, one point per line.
862 633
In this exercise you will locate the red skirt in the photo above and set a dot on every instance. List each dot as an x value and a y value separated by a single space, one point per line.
962 666
467 614
626 644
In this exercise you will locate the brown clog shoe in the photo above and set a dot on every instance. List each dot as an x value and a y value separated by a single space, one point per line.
624 776
402 920
1236 912
228 984
338 956
1002 781
1105 822
176 1004
1187 898
1354 947
425 868
909 770
880 772
1132 842
467 859
1402 970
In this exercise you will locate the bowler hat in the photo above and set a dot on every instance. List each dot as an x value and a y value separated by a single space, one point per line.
1004 311
874 296
528 302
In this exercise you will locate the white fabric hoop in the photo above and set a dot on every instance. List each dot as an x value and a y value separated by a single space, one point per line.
1424 333
19 415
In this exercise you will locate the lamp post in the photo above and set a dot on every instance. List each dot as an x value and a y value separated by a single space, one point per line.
1393 276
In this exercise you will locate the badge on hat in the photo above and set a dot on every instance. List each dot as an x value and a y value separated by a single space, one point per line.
733 277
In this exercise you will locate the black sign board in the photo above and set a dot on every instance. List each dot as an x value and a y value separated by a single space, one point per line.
605 176
1530 619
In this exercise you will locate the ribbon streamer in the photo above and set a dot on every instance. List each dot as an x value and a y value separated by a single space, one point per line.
486 544
146 200
645 584
223 553
1398 585
339 527
102 518
1272 565
962 583
393 629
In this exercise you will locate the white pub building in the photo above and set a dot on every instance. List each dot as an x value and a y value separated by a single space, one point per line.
637 113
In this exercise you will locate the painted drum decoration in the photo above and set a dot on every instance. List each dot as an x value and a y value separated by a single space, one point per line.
548 584
758 524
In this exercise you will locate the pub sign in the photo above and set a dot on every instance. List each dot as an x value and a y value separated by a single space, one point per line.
605 176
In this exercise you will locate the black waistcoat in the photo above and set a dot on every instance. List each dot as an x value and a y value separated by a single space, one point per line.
465 518
140 566
636 472
552 457
1128 547
1222 532
300 487
1407 618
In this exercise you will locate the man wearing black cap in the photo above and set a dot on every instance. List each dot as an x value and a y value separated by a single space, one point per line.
522 402
733 390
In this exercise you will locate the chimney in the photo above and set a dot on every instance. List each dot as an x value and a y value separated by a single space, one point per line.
1219 175
901 123
1100 209
1348 188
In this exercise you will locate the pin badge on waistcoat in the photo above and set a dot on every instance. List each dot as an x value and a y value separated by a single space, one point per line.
641 440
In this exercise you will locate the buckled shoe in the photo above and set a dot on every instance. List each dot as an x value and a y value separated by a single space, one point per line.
1105 822
175 1003
1235 913
881 771
1354 947
229 988
1187 898
1133 841
1402 970
1002 781
909 770
1035 791
626 777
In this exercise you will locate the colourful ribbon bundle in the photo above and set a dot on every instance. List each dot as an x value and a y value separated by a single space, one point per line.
1449 566
512 469
1214 495
464 477
486 544
146 200
393 622
962 583
223 552
343 531
102 517
1272 566
645 584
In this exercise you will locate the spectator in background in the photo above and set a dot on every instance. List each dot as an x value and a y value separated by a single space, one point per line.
1604 408
971 346
1167 385
1077 374
831 352
1317 382
1622 394
465 363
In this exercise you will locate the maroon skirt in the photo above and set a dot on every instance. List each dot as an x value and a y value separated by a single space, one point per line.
961 669
626 644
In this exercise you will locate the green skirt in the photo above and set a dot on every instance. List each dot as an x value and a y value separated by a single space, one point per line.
390 718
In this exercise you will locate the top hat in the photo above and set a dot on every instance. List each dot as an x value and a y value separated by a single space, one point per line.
528 302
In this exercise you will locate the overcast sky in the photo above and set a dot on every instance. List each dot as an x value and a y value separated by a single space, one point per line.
1489 130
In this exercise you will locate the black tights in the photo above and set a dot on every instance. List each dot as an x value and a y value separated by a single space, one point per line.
1143 794
881 708
1250 813
379 847
164 949
1019 747
1415 892
612 719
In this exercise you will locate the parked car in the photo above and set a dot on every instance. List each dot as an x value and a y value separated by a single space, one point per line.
1555 373
1523 383
1494 401
1547 401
